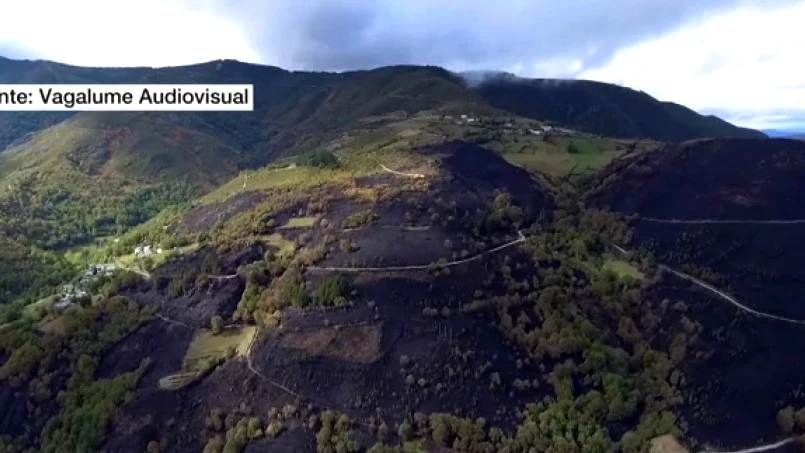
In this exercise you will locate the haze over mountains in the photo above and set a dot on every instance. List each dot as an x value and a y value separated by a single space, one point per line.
402 259
785 133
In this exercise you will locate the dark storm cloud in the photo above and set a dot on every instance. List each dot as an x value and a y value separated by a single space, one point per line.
466 34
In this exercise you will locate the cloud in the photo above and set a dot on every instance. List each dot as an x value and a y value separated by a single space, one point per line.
746 65
736 56
529 36
553 38
122 33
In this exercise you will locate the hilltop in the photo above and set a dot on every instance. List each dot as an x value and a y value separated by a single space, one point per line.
604 109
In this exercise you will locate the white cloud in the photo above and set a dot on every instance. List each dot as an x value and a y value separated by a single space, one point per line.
122 33
746 64
741 59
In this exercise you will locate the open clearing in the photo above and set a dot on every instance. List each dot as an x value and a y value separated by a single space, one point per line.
354 343
622 269
667 444
208 347
286 247
299 222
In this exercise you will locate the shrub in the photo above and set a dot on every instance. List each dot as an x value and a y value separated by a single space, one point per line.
332 291
359 219
216 324
320 159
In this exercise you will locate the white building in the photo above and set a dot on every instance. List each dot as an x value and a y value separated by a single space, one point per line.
146 251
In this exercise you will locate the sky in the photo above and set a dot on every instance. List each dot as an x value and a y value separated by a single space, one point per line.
739 59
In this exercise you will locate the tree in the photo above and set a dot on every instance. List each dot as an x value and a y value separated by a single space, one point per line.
799 418
331 291
572 148
404 430
785 419
217 324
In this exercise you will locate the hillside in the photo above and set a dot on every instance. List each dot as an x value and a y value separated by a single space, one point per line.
604 109
707 204
384 261
423 297
726 212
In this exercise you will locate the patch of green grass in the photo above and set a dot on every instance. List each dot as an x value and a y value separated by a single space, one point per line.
300 222
286 247
622 269
36 309
298 178
206 351
554 159
414 446
207 345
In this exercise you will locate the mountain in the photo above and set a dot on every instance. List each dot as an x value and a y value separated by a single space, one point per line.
603 109
384 261
784 133
282 96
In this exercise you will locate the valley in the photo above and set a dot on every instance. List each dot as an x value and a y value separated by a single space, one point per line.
392 261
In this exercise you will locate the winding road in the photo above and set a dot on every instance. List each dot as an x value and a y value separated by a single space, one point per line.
732 300
757 449
741 307
419 267
724 222
410 175
171 321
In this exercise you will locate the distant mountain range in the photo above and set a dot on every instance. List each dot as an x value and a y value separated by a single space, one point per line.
308 98
798 134
601 108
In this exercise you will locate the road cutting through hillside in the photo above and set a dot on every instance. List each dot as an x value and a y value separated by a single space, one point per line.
410 175
171 321
721 294
419 267
724 222
757 449
222 277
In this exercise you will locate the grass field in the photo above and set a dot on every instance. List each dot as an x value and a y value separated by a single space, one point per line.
208 348
622 269
553 157
36 309
285 246
300 222
206 345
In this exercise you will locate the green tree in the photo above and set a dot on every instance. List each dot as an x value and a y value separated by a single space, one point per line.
217 324
785 419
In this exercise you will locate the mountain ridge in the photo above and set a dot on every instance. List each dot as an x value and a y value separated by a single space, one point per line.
632 114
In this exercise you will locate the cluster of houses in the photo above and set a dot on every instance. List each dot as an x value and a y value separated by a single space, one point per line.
72 292
69 294
510 127
147 251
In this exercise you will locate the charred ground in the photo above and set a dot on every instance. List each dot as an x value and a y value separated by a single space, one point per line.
747 365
